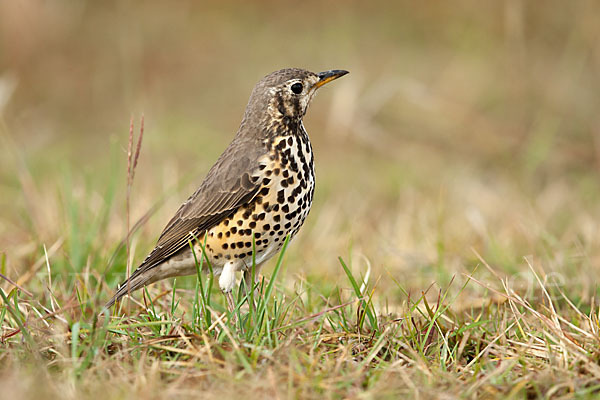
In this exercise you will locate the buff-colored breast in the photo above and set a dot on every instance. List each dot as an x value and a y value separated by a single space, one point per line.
287 181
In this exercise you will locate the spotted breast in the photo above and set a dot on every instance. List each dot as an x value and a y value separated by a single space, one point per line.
287 179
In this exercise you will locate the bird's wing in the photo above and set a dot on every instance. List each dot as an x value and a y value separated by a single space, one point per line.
227 186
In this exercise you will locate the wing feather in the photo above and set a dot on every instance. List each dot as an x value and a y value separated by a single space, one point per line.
226 188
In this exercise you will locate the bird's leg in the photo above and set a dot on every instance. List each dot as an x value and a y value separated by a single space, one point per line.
227 283
230 303
249 283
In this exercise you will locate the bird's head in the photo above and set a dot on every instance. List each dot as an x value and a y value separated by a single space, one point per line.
284 95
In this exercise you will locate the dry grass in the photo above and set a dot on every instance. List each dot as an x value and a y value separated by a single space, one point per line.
457 173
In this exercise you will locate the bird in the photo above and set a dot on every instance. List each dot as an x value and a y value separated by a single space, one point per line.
259 191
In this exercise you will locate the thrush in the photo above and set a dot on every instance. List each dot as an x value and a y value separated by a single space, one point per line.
260 190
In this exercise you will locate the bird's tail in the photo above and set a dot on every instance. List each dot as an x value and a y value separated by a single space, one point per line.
137 280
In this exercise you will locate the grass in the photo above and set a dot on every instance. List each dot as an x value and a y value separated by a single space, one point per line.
303 339
452 250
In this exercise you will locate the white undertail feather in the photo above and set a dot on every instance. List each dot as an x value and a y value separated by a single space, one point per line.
227 278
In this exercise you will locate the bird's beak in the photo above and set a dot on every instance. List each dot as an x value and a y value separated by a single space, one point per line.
328 76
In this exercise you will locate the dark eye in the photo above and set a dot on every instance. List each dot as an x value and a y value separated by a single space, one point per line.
297 88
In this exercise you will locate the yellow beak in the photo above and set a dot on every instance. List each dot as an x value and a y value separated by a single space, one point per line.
328 76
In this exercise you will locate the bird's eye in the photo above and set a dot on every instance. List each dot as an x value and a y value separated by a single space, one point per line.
297 88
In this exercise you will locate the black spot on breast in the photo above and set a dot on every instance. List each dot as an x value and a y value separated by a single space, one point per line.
264 191
256 235
225 246
240 222
233 245
276 217
266 227
268 172
276 171
252 224
233 229
227 234
285 208
240 244
248 232
266 181
276 227
288 225
248 244
220 235
226 222
290 141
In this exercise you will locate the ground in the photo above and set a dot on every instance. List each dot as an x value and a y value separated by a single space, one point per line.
452 250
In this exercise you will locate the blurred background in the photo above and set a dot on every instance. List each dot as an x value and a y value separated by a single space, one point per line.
462 126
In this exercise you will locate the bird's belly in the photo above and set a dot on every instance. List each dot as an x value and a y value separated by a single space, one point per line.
280 208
